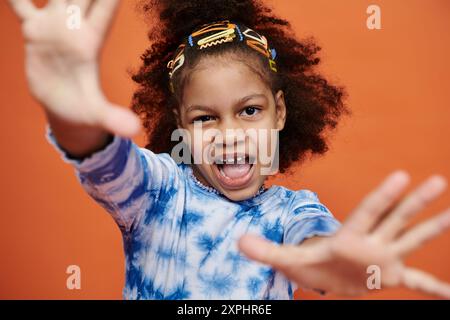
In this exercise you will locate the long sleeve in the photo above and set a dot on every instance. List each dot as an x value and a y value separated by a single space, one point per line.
123 178
307 218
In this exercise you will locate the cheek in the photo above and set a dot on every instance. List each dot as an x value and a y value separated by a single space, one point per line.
201 147
265 129
268 120
265 142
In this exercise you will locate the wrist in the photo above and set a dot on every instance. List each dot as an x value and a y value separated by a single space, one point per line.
78 140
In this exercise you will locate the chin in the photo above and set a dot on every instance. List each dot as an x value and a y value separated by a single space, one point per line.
242 194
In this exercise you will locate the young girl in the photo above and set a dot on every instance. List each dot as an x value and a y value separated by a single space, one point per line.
210 229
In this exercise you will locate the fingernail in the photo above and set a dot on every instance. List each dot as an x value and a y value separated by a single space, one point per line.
400 175
439 180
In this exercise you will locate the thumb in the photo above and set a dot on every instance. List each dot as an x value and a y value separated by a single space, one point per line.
120 120
264 251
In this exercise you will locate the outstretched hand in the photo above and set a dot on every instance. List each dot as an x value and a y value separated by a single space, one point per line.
374 235
62 62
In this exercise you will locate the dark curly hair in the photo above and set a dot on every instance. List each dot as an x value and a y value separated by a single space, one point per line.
314 106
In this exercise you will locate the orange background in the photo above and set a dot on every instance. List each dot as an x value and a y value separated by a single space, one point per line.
399 90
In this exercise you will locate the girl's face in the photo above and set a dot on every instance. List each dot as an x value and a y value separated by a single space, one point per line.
231 115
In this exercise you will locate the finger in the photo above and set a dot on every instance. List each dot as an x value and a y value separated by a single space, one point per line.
119 120
367 214
415 202
82 4
23 8
101 14
417 236
266 252
56 3
418 280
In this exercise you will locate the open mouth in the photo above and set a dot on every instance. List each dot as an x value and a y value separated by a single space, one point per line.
234 171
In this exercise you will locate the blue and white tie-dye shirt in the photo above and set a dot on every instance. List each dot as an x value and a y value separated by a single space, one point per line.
180 238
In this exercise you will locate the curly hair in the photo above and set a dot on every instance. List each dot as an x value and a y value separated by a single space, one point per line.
314 106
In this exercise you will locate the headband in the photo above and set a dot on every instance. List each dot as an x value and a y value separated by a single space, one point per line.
217 33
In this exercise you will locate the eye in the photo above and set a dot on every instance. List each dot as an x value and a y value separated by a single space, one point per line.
203 119
250 111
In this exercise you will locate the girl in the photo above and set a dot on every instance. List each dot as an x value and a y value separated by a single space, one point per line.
210 229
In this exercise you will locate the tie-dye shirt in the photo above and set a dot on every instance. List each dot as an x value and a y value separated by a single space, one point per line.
180 237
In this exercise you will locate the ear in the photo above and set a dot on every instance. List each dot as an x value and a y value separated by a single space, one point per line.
280 106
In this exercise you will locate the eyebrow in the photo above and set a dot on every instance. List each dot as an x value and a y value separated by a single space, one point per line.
240 101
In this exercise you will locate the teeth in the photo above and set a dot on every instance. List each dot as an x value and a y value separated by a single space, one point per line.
238 160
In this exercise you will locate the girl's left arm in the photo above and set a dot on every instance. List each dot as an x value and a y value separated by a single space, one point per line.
372 242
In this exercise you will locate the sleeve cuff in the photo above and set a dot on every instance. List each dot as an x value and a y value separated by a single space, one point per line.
96 160
308 227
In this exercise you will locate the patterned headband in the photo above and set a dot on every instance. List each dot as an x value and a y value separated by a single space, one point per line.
217 33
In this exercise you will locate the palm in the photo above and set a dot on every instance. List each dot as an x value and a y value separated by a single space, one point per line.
62 61
348 255
49 28
373 236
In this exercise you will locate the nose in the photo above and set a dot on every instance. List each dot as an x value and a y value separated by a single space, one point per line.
232 137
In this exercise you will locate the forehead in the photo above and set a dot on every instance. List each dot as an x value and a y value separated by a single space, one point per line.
222 80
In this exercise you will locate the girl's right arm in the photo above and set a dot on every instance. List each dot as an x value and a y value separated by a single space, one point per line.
62 72
91 133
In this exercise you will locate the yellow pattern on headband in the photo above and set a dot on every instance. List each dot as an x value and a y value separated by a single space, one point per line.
218 33
226 33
